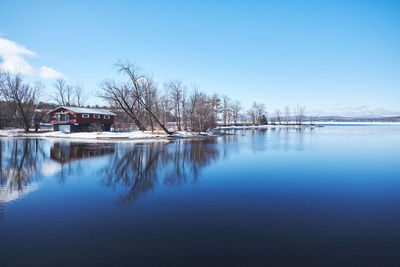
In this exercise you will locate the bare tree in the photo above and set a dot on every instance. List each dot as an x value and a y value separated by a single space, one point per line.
69 96
313 118
201 111
184 110
287 114
3 104
253 113
131 96
236 107
38 117
260 110
122 96
3 79
22 97
60 95
80 96
216 106
176 90
226 105
278 116
300 114
135 78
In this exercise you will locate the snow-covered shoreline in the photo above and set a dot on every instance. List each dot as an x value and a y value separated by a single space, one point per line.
101 136
150 136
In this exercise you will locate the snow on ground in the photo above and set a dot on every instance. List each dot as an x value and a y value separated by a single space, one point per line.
118 136
105 135
182 134
83 135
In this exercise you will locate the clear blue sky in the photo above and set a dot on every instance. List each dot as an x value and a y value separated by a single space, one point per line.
332 56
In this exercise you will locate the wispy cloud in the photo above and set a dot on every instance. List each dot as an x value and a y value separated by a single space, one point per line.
14 59
49 73
13 56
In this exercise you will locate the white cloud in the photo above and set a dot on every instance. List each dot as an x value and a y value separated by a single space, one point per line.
49 73
13 57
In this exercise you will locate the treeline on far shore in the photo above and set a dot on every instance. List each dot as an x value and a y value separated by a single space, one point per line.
137 99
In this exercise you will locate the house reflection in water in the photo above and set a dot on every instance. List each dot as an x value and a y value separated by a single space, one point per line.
67 152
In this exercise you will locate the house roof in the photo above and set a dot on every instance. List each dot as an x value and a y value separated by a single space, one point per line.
86 110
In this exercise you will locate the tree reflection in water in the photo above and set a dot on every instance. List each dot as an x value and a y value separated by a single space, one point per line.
20 164
137 168
20 160
132 169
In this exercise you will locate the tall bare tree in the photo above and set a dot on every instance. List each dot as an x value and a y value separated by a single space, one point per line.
176 90
201 111
3 105
256 111
236 107
121 95
135 77
80 95
216 107
278 116
131 96
60 95
300 114
287 114
22 97
226 105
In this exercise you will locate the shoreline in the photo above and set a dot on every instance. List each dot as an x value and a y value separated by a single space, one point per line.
133 136
148 136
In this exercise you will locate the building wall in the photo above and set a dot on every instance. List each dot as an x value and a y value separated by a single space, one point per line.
91 119
53 116
78 118
78 123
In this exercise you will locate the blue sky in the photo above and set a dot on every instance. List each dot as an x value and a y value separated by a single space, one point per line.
334 57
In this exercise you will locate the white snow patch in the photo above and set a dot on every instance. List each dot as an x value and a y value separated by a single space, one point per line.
182 134
94 136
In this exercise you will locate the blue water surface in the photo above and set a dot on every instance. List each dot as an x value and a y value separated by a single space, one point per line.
284 196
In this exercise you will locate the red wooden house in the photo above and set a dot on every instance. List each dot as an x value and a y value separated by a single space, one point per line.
76 119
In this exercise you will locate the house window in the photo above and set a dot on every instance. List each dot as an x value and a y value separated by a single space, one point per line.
96 116
62 117
107 117
85 116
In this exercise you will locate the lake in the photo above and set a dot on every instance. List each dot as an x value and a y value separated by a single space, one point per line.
323 196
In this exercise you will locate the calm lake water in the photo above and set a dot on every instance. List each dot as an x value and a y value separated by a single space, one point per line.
329 196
